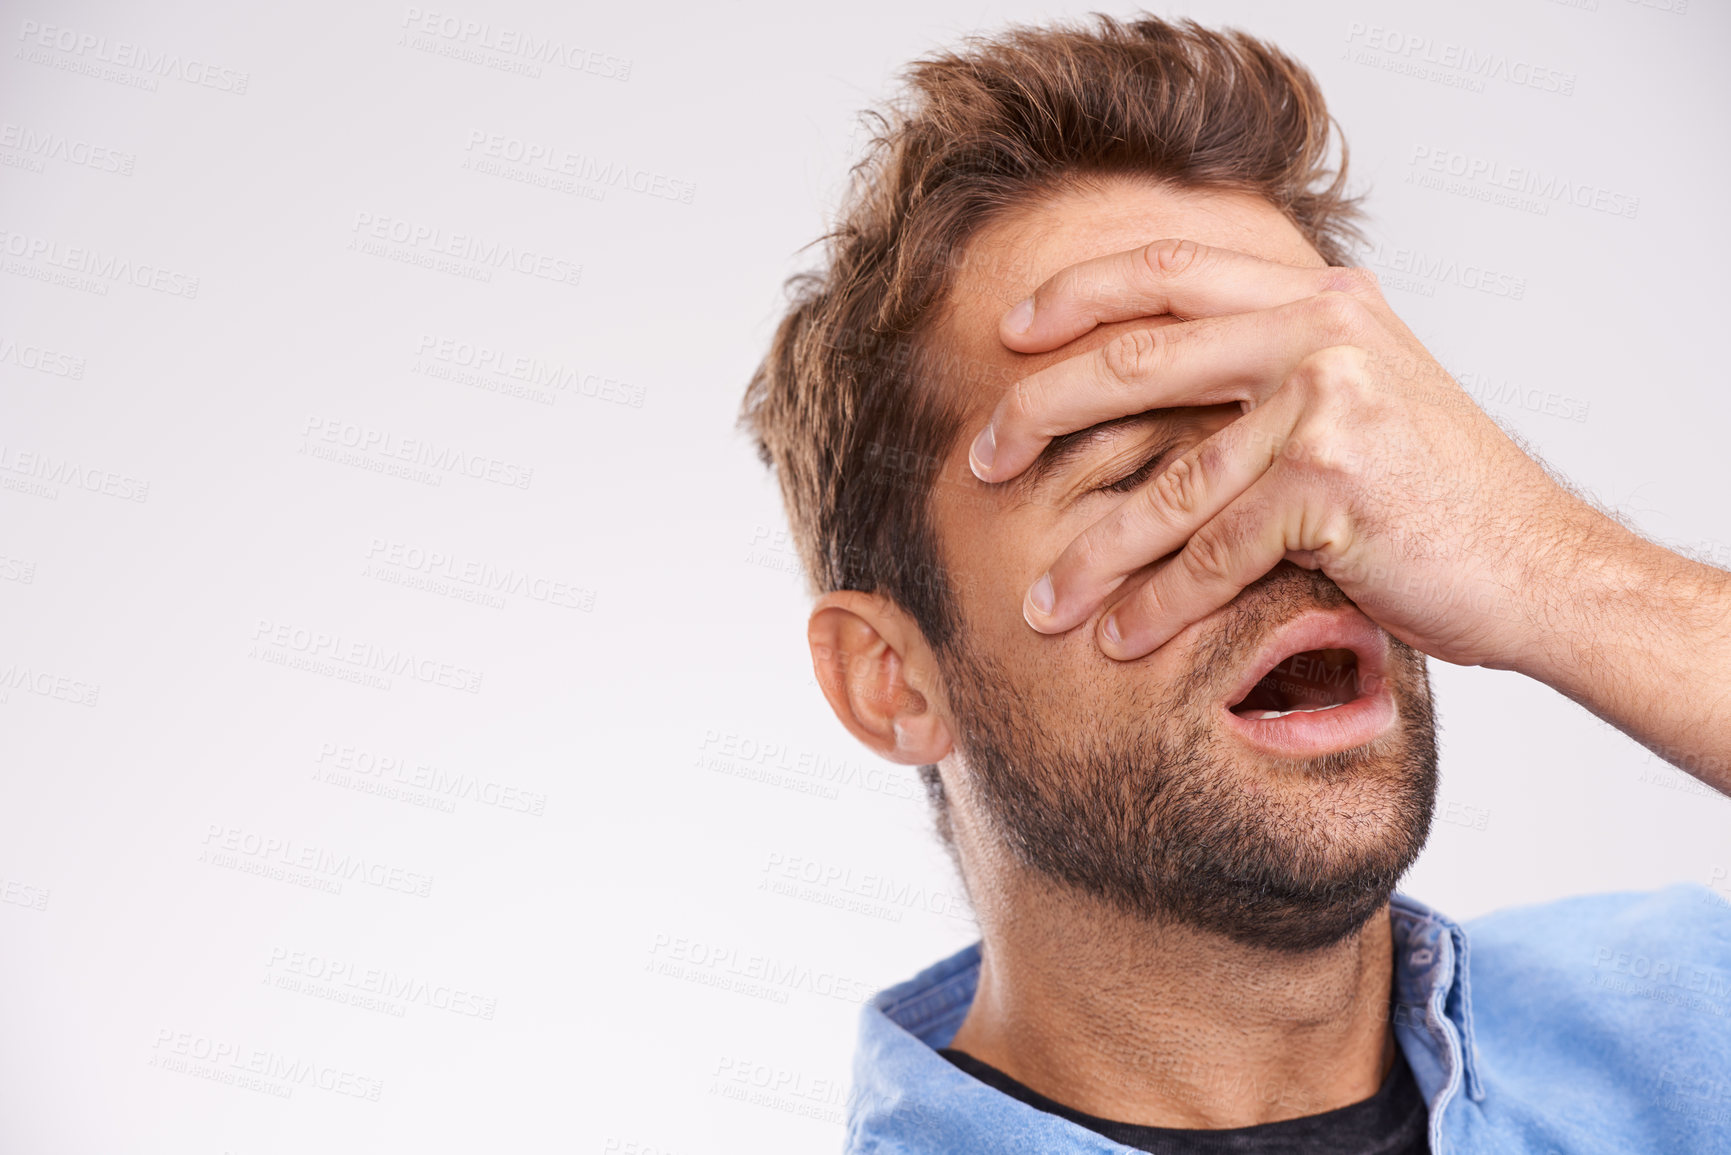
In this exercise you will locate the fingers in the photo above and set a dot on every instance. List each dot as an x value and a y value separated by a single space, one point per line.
1174 276
1291 510
1243 357
1245 541
1161 516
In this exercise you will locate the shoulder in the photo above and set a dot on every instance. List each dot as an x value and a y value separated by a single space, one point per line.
1604 1022
1606 973
1596 931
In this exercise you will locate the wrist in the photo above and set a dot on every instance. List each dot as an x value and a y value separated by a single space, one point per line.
1623 624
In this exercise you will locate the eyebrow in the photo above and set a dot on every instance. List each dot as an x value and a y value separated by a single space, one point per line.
1064 451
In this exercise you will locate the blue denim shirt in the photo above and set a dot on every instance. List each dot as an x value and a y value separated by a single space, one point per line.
1597 1024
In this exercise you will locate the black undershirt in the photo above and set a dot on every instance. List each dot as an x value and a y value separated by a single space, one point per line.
1391 1122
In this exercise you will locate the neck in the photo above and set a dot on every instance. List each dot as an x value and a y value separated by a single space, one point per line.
1167 1026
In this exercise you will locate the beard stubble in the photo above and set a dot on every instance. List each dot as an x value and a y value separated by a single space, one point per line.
1158 812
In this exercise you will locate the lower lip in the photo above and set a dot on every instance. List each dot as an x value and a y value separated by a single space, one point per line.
1307 735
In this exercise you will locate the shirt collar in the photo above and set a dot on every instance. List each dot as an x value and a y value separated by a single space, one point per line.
904 1090
1433 1009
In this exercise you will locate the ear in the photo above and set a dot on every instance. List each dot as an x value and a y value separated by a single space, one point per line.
879 675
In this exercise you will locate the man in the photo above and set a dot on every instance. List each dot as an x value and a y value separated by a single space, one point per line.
1132 516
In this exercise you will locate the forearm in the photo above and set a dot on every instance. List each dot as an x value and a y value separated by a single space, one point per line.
1642 637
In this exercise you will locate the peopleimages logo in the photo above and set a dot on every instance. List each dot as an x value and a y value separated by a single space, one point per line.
526 47
311 643
41 360
1447 57
372 231
320 432
758 975
446 786
44 146
46 467
43 683
1405 261
482 576
1532 189
583 168
89 47
109 267
225 1061
319 975
532 371
777 763
317 861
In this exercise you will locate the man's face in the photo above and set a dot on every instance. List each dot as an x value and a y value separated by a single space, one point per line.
1165 785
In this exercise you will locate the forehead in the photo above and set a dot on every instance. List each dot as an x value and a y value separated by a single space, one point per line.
1010 258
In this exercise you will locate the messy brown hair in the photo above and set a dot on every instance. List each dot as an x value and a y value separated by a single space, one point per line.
848 407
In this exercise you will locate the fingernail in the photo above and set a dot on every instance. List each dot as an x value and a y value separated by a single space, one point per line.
1109 627
1040 594
984 449
1021 317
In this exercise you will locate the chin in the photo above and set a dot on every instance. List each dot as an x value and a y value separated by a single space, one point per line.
1275 792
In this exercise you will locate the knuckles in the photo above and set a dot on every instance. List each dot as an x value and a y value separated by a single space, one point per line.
1180 489
1336 383
1337 369
1207 560
1324 454
1353 280
1134 355
1340 318
1172 257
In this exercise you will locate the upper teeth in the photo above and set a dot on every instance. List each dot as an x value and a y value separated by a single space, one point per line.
1264 715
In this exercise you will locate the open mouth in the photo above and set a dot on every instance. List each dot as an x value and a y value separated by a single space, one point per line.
1314 685
1308 682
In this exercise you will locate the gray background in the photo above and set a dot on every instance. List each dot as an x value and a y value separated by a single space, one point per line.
625 892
